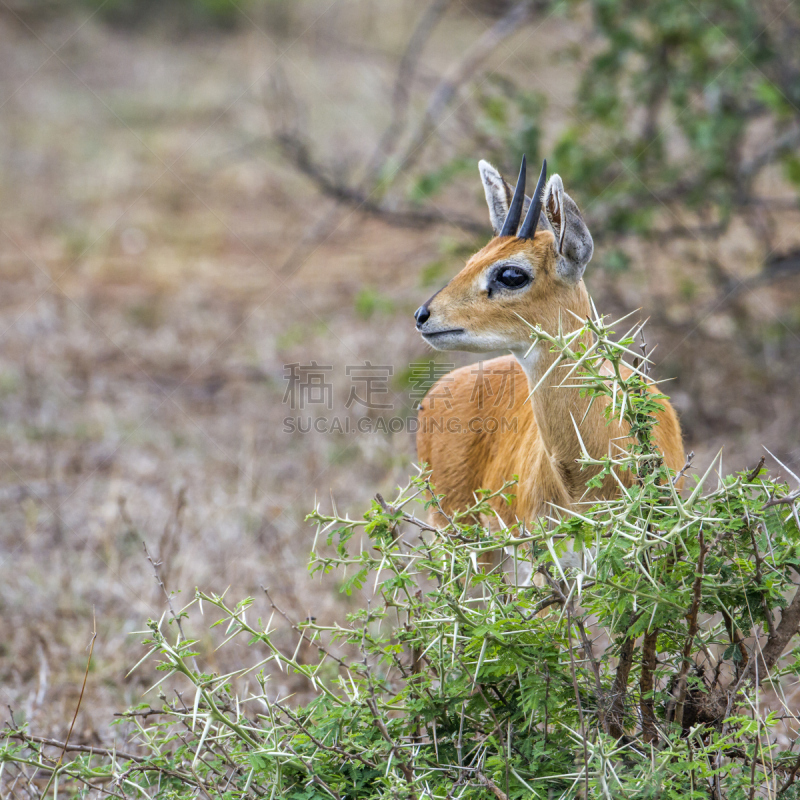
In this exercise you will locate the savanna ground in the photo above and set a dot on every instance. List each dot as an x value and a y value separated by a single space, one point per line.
162 262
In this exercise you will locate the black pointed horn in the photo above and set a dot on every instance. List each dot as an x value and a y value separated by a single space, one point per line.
528 229
517 202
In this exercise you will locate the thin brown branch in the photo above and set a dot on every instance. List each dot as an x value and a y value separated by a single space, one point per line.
544 603
683 470
788 500
155 565
736 638
407 517
298 152
692 620
791 778
437 502
491 786
340 751
497 726
401 96
754 473
78 707
753 762
619 689
786 142
777 642
145 712
372 704
647 685
66 747
587 647
759 580
578 701
298 629
405 768
458 75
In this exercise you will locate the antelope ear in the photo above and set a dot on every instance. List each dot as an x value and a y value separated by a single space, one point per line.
573 240
498 194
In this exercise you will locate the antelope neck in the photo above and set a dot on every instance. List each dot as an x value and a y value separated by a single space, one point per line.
554 408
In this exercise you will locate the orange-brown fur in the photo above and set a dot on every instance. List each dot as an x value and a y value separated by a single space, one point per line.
544 447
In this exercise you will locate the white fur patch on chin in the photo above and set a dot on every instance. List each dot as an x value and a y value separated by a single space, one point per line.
466 342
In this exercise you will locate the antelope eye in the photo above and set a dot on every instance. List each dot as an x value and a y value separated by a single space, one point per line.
512 277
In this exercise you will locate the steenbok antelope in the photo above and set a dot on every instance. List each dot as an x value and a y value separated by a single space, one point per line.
476 433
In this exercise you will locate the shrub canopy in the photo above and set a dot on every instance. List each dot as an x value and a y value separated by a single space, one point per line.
480 666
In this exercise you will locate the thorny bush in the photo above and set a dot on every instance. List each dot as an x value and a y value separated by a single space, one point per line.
655 665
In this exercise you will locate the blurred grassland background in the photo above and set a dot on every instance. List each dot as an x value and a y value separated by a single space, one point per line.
195 194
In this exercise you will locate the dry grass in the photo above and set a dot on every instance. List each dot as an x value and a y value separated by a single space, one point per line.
145 331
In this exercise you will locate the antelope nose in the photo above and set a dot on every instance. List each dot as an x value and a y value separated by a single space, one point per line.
421 315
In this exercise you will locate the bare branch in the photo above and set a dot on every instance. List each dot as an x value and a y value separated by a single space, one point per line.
407 517
785 143
78 707
646 686
753 474
619 688
692 619
759 580
303 636
401 97
578 699
687 465
459 74
298 152
329 748
777 642
791 778
736 638
789 499
491 785
76 748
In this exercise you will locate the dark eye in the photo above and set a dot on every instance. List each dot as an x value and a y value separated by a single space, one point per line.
512 277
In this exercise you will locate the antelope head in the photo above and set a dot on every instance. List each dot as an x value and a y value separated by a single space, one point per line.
522 274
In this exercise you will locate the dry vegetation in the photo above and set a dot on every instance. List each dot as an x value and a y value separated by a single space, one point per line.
152 293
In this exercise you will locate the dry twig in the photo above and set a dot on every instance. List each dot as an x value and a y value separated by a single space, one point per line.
78 707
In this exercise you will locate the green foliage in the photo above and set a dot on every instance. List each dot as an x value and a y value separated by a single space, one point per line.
428 184
508 122
699 64
666 102
485 664
369 301
678 107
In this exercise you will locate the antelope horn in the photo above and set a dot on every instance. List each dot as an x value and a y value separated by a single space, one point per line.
515 209
528 229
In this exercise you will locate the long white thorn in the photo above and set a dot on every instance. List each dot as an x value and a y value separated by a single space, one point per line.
783 465
694 495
